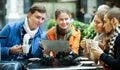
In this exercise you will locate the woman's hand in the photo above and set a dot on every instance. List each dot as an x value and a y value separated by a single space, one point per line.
97 51
83 43
85 47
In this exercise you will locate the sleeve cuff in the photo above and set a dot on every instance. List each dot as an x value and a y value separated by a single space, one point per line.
103 56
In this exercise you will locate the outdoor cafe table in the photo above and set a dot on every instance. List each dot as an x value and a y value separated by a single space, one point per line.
36 65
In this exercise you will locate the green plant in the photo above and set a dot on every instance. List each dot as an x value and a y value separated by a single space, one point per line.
51 23
87 30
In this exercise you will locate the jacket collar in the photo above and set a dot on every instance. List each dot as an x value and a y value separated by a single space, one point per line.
21 26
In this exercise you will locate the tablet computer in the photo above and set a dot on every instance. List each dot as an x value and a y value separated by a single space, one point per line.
56 45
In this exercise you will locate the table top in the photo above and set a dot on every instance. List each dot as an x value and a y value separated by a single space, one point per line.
34 64
70 68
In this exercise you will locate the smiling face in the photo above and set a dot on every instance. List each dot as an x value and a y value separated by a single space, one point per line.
98 24
35 19
63 20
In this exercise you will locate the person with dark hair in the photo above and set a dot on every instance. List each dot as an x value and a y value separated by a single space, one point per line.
111 39
80 15
64 31
98 23
94 10
29 28
102 7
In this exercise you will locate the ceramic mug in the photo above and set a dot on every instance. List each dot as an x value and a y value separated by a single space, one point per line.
26 48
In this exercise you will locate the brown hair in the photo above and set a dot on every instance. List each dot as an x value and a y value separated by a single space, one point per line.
37 7
114 12
101 13
62 10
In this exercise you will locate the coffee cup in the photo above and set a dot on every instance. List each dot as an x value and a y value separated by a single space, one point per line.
87 42
94 44
25 48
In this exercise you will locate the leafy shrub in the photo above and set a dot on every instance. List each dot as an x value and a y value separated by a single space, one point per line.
87 30
51 23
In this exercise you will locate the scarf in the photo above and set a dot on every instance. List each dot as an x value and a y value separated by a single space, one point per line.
112 40
27 29
99 37
66 32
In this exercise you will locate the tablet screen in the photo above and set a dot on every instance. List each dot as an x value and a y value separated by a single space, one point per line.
56 45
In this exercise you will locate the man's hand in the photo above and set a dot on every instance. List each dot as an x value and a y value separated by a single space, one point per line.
101 45
17 49
41 46
49 52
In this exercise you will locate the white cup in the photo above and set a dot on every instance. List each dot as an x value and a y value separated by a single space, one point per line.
94 44
88 41
25 48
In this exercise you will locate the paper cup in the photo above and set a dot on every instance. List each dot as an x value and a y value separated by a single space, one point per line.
26 49
87 42
94 44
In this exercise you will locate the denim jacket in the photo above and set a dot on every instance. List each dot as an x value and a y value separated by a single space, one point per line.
13 31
